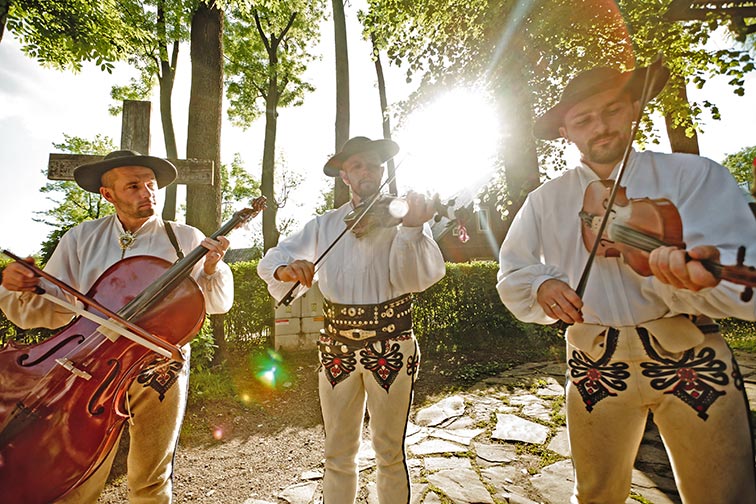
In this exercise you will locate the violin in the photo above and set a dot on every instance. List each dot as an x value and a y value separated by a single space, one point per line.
388 211
384 211
637 226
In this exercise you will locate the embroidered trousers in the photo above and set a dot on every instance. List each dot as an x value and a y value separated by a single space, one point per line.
153 437
380 376
698 402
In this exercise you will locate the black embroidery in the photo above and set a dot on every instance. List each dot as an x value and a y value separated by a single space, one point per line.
594 379
337 366
413 362
737 378
385 363
688 378
160 375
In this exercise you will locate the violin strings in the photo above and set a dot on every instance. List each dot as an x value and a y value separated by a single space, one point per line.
642 241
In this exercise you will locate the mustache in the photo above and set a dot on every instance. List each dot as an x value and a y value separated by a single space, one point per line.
600 138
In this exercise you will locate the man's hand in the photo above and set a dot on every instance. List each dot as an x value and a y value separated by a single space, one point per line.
18 278
560 301
683 269
420 210
298 271
217 249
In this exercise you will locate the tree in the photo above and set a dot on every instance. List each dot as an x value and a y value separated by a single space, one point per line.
268 48
73 205
237 186
742 165
203 208
156 30
65 33
525 52
340 189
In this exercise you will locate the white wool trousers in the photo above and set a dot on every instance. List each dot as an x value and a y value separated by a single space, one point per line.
381 377
698 402
153 436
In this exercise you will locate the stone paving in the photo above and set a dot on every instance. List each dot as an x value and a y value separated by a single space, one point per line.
502 441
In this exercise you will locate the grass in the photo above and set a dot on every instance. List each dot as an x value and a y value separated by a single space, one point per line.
740 334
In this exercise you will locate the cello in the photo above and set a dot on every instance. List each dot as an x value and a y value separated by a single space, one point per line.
63 401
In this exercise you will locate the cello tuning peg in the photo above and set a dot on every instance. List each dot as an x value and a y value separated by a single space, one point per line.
747 294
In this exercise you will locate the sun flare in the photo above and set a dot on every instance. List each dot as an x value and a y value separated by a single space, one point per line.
448 144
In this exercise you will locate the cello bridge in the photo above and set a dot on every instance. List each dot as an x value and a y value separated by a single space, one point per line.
66 363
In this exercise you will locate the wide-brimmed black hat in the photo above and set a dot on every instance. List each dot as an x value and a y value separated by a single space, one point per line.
594 81
386 149
89 176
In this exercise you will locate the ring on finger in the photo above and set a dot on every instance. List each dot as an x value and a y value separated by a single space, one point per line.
553 305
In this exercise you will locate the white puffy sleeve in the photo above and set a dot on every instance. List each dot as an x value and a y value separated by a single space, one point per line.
521 267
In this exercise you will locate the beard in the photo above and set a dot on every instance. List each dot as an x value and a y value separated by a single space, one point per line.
145 212
365 189
606 153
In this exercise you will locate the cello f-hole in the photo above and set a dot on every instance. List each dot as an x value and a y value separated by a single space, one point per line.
54 350
92 407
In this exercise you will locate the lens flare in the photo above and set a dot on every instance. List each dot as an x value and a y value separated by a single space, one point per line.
269 369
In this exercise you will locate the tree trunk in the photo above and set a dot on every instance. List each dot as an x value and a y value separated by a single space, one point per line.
678 140
340 190
4 7
519 150
205 113
203 202
165 82
391 168
270 230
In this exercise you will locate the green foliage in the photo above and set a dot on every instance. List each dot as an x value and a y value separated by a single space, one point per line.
65 33
203 348
268 46
740 334
151 27
72 204
463 305
139 89
237 186
741 165
450 43
250 321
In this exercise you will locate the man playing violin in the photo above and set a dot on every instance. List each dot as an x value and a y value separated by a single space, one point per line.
157 398
638 343
367 350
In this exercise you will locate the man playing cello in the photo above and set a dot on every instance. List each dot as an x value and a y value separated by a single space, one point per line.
157 399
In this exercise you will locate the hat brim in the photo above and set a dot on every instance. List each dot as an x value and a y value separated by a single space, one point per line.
89 176
547 126
386 149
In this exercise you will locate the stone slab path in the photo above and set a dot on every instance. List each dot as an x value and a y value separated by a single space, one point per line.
502 441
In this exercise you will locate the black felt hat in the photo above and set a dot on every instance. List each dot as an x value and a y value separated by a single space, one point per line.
386 149
592 82
89 176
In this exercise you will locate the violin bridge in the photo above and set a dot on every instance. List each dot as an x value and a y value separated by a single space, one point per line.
66 363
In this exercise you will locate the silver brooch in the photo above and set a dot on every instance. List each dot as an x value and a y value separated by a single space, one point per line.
126 240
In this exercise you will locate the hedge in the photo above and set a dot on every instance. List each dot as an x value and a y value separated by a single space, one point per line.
464 302
463 306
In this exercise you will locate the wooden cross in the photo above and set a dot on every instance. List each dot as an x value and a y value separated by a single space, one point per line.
135 135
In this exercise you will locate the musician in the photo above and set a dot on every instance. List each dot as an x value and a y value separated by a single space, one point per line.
638 343
368 353
157 398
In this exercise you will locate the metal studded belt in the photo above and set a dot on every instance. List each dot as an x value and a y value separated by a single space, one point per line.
368 323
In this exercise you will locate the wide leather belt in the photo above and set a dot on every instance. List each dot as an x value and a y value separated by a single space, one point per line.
369 322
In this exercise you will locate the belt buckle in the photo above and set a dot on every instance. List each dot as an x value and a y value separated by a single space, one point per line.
357 334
